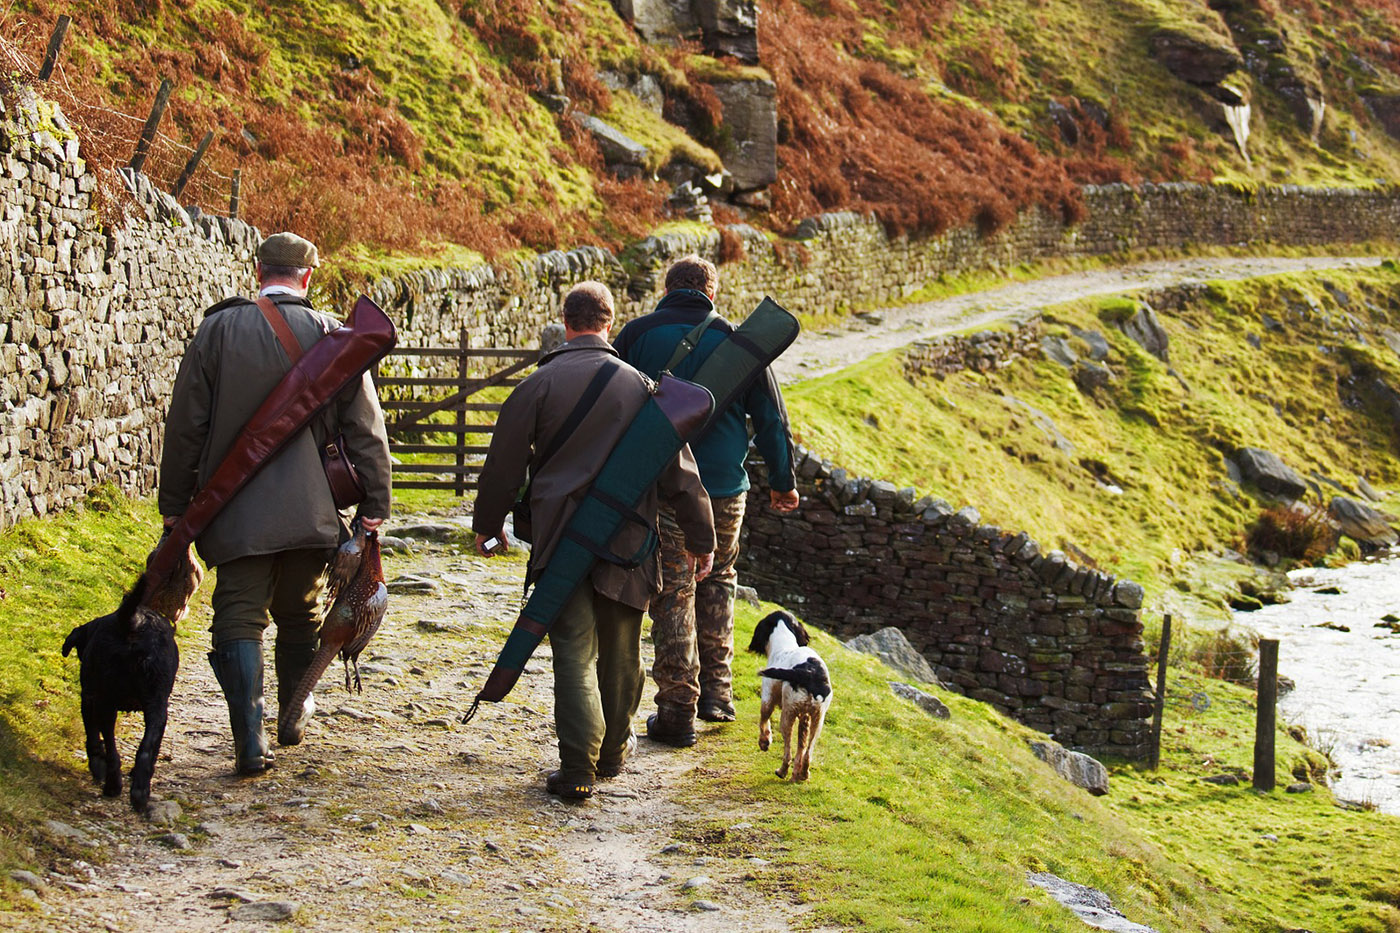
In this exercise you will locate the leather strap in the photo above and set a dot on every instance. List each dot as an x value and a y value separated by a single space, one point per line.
690 340
278 322
610 368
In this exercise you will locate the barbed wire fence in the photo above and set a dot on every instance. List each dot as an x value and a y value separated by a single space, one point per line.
111 140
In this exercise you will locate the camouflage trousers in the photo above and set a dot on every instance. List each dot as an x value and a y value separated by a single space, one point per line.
693 623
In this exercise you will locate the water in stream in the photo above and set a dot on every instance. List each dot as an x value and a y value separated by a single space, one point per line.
1348 682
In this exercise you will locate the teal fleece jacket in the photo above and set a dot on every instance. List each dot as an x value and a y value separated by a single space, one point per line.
648 343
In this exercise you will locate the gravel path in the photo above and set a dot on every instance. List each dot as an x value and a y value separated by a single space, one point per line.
394 816
818 352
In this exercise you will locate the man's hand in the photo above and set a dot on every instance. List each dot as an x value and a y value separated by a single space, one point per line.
700 564
499 548
370 524
783 501
170 521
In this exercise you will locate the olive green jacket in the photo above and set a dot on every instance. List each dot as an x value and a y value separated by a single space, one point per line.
229 368
530 418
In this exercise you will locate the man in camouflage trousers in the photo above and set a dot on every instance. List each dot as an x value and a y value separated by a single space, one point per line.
693 623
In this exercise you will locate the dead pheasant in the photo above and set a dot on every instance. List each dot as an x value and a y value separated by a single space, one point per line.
357 598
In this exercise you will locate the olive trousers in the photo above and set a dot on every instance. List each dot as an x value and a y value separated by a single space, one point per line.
598 679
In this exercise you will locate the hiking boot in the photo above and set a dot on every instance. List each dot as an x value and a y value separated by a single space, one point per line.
611 766
716 711
561 785
676 735
238 666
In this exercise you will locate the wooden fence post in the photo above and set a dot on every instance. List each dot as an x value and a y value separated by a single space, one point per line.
1264 721
463 345
60 29
192 164
148 132
233 193
1160 702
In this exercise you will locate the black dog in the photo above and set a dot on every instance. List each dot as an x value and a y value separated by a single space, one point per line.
128 663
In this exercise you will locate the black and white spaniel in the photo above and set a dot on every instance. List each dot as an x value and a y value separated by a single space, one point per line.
797 679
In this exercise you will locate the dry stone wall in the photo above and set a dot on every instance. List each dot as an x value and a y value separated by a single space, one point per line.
1056 646
93 318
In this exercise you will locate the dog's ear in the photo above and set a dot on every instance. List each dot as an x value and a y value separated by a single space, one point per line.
764 631
798 631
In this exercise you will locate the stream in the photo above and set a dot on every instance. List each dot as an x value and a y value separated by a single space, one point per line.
1348 682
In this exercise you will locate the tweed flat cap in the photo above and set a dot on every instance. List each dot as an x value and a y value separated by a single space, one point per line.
289 250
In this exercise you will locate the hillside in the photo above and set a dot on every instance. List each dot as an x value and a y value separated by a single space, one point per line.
1129 449
444 131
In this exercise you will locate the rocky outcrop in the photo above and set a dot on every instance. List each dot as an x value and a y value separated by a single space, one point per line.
1361 523
1269 473
1195 57
890 646
1146 330
626 157
1280 64
1077 768
1385 108
725 27
750 150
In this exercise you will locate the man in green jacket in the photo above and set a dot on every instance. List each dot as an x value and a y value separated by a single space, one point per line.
270 545
562 422
692 619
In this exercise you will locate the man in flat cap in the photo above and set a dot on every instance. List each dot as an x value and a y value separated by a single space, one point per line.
272 541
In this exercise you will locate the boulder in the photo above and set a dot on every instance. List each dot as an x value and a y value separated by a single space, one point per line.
666 21
1361 523
1090 376
623 154
925 701
892 647
1266 471
1059 350
1144 329
730 27
1090 904
1198 57
750 152
1096 342
1064 121
1385 108
1076 767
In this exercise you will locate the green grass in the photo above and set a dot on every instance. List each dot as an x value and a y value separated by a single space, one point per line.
986 439
908 823
912 823
57 573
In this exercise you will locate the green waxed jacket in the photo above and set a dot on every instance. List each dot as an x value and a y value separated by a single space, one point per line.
229 368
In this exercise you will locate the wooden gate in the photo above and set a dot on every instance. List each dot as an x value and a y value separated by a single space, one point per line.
413 415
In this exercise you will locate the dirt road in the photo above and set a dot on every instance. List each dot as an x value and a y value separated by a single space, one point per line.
394 816
825 351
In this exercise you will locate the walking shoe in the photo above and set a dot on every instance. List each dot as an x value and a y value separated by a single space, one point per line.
560 785
611 766
716 711
678 738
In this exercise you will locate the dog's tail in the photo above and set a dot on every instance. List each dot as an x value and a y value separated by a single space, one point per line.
810 675
126 612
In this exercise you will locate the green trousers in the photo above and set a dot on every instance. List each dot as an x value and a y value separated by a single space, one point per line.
284 587
598 679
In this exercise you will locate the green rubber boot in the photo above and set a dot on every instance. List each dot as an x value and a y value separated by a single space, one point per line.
238 665
292 662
